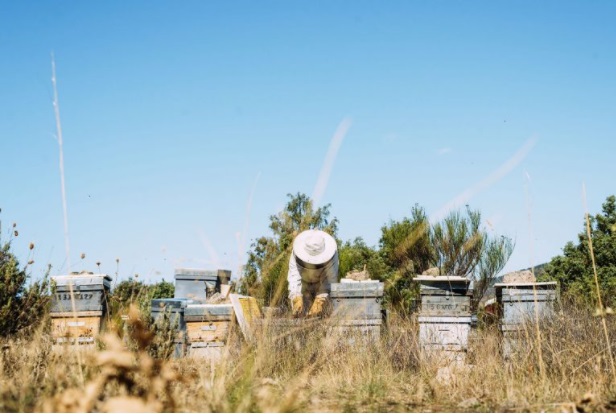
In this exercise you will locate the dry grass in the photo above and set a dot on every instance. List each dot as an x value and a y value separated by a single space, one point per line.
308 368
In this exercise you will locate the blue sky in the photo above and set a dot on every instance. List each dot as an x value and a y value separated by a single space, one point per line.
173 114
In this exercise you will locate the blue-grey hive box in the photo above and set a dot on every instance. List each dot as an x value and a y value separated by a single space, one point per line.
521 304
79 306
172 312
197 284
357 309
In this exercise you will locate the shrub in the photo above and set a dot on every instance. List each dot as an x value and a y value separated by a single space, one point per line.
22 306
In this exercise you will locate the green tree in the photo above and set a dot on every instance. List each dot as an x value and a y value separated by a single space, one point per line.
405 250
128 291
22 306
457 246
265 273
137 292
162 290
357 255
573 269
462 248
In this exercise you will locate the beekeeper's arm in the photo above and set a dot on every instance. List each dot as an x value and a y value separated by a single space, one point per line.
294 279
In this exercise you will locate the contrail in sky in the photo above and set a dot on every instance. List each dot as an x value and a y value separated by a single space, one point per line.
330 158
241 237
56 107
492 178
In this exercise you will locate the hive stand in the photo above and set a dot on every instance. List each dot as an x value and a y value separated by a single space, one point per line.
200 326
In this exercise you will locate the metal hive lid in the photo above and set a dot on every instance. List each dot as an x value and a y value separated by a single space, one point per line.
81 279
158 304
206 309
355 289
195 274
528 286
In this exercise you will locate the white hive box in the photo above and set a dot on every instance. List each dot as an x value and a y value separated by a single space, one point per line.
445 316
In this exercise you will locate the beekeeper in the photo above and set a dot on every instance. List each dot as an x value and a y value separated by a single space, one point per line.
313 267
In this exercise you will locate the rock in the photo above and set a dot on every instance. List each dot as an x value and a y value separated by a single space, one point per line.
358 275
469 403
522 276
216 298
433 271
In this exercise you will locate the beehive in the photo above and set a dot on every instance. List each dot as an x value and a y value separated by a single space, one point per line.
357 309
520 304
198 284
194 284
207 329
171 311
79 307
445 315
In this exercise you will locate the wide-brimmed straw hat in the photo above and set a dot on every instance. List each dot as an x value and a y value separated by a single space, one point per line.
314 247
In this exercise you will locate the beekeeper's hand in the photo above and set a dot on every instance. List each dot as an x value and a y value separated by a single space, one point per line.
297 306
318 307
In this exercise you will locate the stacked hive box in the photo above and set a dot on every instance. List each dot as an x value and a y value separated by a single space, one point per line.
79 307
207 329
199 325
445 316
196 284
357 309
170 313
519 304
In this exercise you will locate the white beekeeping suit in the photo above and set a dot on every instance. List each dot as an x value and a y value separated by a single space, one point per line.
313 267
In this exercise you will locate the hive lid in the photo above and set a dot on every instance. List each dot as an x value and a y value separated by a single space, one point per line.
445 284
83 278
158 304
540 285
455 279
357 289
207 310
195 274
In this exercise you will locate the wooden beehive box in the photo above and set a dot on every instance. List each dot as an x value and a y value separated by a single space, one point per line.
79 306
207 328
66 328
357 310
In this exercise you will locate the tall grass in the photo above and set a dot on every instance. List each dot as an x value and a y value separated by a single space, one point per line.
306 367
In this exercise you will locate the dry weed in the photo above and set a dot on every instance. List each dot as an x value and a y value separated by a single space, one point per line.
125 381
306 367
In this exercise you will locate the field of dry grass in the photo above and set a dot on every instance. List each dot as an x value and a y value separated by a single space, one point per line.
310 369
